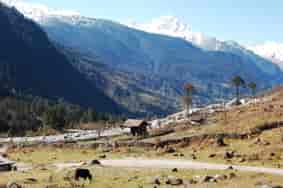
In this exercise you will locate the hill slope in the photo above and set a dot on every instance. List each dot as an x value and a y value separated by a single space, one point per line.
29 62
150 69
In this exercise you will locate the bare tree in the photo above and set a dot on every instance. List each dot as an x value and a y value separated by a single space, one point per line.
188 97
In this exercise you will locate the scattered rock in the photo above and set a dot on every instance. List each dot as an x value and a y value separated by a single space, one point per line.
212 155
207 179
106 150
30 180
190 182
13 185
220 177
95 162
230 168
155 181
229 154
174 170
173 181
170 150
5 155
272 154
242 160
232 175
194 157
102 156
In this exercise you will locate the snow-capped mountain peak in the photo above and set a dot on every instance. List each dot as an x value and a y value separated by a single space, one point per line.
175 27
167 25
270 50
36 11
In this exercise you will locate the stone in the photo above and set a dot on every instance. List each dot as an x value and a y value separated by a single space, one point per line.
232 175
174 170
170 150
95 162
13 185
155 181
212 155
171 180
190 182
194 157
102 156
31 180
207 179
230 168
229 154
220 177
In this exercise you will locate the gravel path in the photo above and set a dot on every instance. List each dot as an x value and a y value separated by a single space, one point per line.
185 164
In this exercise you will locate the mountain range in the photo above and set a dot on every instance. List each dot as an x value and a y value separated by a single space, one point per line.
270 50
30 63
143 67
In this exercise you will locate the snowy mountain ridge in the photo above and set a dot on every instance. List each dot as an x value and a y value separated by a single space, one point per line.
36 11
172 26
270 50
165 25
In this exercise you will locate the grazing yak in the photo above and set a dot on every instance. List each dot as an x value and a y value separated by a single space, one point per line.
83 173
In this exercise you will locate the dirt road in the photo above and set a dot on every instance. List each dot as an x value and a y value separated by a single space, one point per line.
185 164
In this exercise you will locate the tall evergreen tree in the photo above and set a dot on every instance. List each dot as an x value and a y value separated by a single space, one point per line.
238 82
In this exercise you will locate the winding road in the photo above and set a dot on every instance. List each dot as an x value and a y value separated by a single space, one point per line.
184 164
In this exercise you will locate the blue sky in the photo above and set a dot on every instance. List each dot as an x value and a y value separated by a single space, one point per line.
246 21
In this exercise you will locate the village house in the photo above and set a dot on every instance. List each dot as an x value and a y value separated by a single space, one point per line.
137 127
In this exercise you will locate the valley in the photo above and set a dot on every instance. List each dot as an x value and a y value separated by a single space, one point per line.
91 102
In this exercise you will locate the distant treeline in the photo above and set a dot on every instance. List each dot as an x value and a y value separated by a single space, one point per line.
21 113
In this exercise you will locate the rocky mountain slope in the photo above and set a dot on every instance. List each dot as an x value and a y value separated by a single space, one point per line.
172 26
30 63
145 71
270 50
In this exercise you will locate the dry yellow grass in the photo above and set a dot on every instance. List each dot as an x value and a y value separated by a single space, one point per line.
105 177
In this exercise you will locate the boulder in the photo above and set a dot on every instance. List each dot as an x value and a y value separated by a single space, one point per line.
13 185
171 180
174 170
30 180
170 150
95 162
212 155
229 154
190 182
207 179
232 175
102 156
230 168
220 177
155 181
